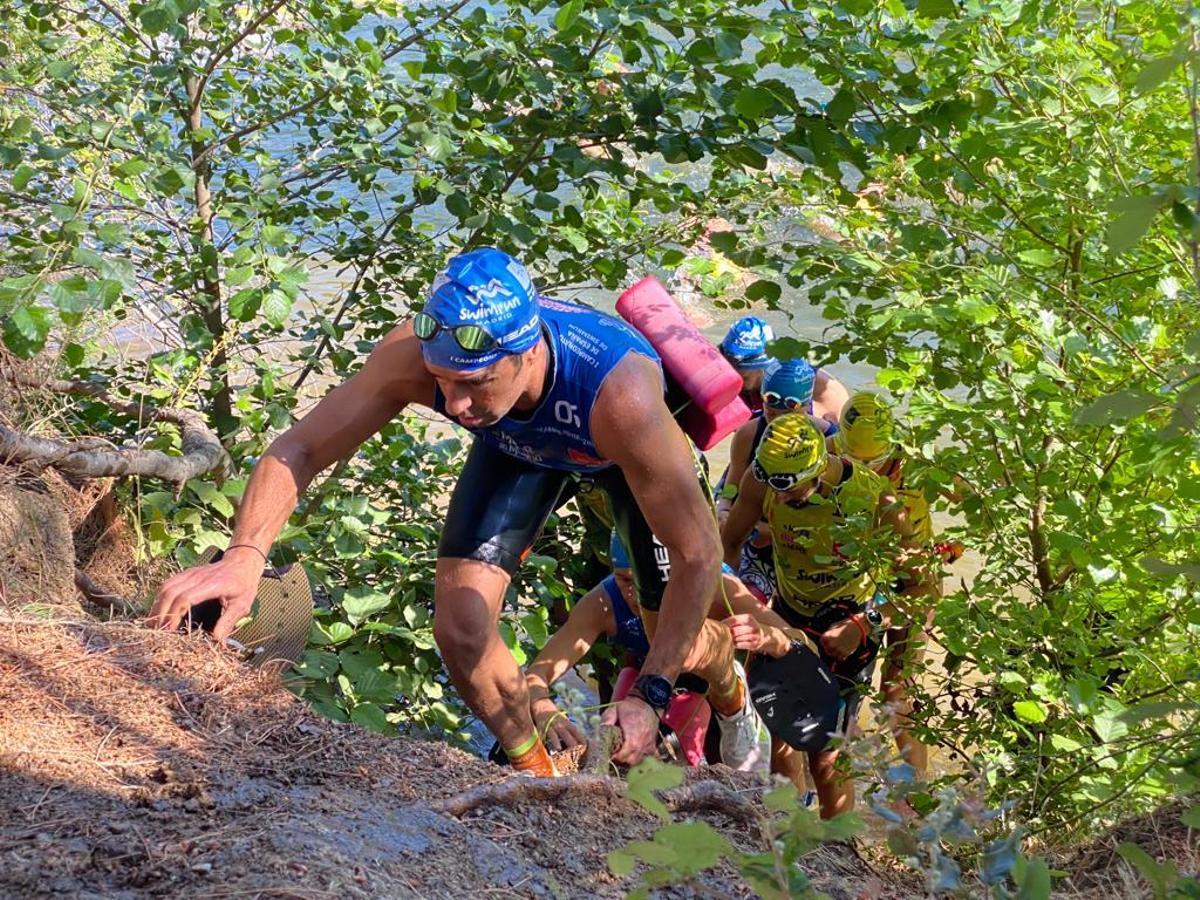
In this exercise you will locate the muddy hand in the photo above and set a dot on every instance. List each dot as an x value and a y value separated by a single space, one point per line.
233 581
639 729
557 731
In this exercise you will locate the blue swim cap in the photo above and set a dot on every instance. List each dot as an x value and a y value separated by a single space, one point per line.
745 345
616 552
487 288
794 379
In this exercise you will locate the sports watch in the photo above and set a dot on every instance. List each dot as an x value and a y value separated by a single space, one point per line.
654 689
874 617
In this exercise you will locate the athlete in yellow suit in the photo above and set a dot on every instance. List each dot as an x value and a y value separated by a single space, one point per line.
869 436
823 510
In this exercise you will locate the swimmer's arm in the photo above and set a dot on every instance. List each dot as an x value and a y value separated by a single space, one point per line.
591 617
634 428
778 635
746 512
829 396
392 377
913 559
739 460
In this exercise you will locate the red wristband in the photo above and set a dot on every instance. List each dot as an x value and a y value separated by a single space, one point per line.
857 620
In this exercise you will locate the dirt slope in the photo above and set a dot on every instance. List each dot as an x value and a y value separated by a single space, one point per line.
134 763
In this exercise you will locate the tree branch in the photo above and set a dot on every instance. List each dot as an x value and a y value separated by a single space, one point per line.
352 295
215 59
304 107
202 451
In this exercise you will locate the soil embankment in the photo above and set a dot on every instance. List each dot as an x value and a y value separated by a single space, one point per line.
137 763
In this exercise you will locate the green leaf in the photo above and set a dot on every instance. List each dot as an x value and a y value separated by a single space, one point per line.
567 14
782 799
275 236
371 716
725 241
936 9
697 844
728 44
1162 876
1133 217
754 102
1030 711
277 307
1191 818
903 843
244 304
1140 713
1156 72
333 633
1034 882
977 311
1103 94
358 661
1119 407
22 176
210 496
74 355
458 205
237 275
1065 744
1108 723
360 603
318 664
168 181
25 330
439 147
764 290
19 128
158 16
621 863
1039 257
841 106
648 776
1156 566
841 827
446 100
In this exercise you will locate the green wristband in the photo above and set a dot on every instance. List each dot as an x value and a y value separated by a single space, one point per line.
524 747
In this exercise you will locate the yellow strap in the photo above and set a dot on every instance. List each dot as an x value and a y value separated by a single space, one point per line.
524 747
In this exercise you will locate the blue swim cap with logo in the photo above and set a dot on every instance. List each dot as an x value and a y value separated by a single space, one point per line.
745 344
616 552
489 289
793 378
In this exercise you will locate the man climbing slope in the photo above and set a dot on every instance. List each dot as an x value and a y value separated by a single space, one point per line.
554 393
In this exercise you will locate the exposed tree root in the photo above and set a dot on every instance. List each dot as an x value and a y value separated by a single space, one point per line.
100 596
89 458
710 795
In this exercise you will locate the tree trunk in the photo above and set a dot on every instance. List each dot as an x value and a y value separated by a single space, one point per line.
210 281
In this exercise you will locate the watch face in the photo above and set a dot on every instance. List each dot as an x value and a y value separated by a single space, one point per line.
656 690
874 617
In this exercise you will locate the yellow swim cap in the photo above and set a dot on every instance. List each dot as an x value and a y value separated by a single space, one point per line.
868 429
792 451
